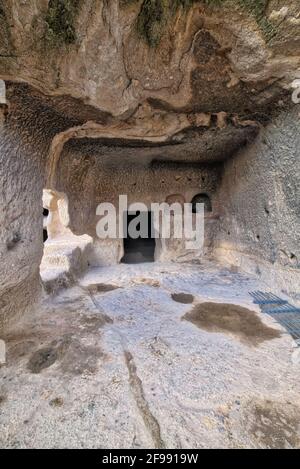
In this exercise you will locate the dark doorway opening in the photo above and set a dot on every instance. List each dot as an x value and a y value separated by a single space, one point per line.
140 249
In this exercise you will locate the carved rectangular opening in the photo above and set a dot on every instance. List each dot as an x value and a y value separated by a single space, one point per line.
141 248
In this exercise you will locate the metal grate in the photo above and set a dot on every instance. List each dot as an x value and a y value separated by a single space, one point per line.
262 298
287 308
291 323
284 313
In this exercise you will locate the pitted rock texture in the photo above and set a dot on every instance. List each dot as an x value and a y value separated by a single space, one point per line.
95 108
24 144
260 219
220 51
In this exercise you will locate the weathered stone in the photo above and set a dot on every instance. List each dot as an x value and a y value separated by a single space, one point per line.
89 110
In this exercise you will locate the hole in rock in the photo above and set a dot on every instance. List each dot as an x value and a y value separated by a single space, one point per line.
45 235
138 249
201 199
184 298
41 359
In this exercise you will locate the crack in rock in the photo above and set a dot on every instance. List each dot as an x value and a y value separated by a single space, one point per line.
136 386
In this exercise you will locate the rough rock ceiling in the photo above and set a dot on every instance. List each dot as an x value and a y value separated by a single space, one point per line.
202 91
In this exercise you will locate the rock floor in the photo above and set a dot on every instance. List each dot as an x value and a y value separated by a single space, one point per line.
129 358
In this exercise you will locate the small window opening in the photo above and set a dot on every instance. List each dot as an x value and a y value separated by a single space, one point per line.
201 199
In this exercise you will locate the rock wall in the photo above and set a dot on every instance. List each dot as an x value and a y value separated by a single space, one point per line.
88 179
96 52
25 137
113 103
260 212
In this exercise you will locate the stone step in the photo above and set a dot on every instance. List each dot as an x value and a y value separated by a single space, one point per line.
56 260
54 279
62 263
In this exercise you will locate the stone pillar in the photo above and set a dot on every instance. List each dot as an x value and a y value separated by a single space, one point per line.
58 218
21 242
25 137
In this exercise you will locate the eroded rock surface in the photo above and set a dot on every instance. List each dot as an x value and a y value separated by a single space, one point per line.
128 362
100 101
202 53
